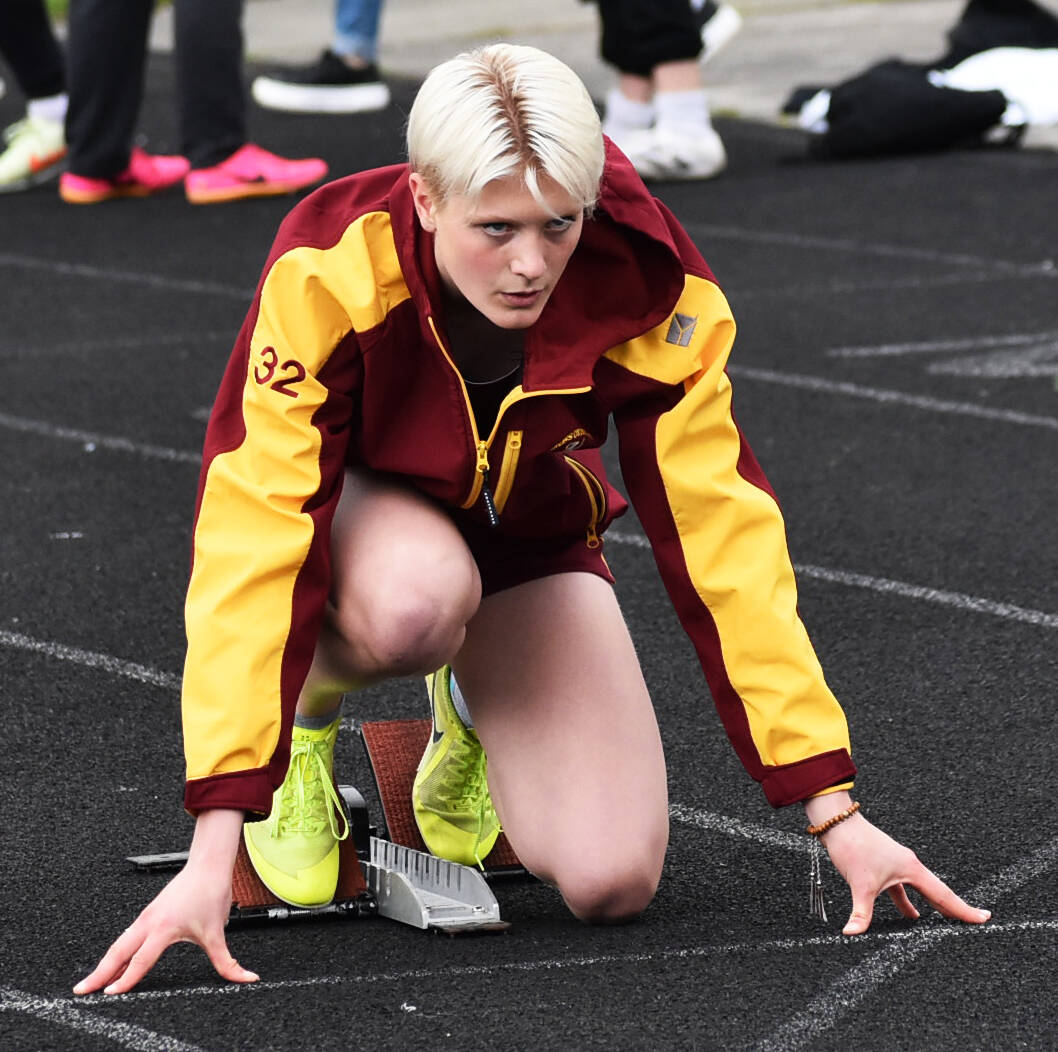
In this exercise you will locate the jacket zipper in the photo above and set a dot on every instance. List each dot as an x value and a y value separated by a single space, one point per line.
479 487
511 451
596 498
482 477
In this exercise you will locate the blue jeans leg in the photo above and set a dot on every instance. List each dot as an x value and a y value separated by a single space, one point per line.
356 28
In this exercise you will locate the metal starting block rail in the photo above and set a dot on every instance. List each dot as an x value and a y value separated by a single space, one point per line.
395 877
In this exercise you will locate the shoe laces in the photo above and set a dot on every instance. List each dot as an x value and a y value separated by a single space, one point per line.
309 801
466 774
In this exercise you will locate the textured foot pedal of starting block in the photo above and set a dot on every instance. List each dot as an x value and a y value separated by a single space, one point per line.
429 892
394 748
253 901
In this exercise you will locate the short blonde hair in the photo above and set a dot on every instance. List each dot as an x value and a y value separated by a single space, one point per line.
502 110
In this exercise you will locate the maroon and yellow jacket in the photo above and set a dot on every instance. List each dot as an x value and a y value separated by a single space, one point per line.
342 361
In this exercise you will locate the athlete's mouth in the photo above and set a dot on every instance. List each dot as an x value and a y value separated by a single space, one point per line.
526 296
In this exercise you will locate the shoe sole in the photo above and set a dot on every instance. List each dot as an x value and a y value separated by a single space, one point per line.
353 98
245 190
48 171
94 197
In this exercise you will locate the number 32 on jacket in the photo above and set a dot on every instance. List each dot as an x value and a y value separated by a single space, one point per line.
289 373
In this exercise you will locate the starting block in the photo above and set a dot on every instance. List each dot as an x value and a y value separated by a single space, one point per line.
390 874
394 748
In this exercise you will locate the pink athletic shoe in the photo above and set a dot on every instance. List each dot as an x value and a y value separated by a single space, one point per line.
146 174
251 172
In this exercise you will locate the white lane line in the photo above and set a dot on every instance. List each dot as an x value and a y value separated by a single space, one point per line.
144 340
825 1010
66 1012
838 285
887 586
91 659
133 277
1035 360
92 440
736 827
909 936
971 603
1045 267
971 343
877 394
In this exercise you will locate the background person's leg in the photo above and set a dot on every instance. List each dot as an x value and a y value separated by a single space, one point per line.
29 46
356 28
107 49
575 761
209 65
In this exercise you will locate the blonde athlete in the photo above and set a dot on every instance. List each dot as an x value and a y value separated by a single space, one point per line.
402 474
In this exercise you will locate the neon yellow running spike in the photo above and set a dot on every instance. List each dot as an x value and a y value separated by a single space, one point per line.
295 849
450 797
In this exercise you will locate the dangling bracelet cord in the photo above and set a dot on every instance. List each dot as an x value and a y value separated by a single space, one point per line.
816 905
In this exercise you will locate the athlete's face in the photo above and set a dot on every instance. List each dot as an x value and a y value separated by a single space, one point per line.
503 252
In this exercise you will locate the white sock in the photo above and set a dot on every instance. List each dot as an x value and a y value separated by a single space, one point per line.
52 108
459 703
682 109
623 113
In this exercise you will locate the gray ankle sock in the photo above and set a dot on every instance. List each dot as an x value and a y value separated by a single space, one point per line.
317 723
460 703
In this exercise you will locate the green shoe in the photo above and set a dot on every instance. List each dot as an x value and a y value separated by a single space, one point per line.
295 849
450 796
35 150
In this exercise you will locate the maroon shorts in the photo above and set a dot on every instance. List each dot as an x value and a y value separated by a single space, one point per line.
504 562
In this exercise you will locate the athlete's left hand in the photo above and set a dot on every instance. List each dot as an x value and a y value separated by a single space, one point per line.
871 862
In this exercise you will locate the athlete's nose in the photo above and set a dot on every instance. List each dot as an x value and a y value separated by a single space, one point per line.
528 260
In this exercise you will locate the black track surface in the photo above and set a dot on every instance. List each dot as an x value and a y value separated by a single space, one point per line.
928 471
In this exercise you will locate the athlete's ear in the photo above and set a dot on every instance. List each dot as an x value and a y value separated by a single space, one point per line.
425 202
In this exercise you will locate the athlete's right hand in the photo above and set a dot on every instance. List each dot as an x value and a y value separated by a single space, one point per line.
192 907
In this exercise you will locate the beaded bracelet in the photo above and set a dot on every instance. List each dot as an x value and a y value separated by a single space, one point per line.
816 905
820 829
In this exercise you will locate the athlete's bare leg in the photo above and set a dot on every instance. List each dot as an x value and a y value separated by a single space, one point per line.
403 586
575 760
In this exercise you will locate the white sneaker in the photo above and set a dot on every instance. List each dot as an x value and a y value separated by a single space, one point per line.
35 151
690 152
718 23
326 86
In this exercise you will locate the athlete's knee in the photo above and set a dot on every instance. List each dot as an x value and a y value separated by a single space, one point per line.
402 630
610 893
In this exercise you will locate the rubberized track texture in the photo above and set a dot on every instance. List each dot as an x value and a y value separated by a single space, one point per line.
895 372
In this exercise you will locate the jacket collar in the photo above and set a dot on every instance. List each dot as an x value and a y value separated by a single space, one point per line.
623 278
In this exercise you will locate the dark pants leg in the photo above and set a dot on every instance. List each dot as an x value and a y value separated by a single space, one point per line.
638 35
29 47
107 45
209 66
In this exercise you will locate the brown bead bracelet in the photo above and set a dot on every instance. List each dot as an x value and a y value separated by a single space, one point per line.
820 829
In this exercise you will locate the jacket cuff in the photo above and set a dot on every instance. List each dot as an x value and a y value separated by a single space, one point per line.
793 782
249 791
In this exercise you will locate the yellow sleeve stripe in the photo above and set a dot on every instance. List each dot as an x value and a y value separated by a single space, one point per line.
676 348
734 544
252 536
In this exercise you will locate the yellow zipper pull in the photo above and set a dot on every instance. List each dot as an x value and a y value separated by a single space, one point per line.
483 467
